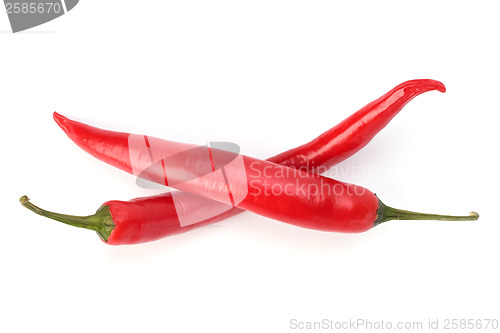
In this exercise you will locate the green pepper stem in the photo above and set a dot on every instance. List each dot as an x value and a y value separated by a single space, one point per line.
386 213
101 221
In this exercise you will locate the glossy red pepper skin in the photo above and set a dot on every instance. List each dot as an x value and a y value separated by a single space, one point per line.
151 218
327 150
304 199
147 219
356 131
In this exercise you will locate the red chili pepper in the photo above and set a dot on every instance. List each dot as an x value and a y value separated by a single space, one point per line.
356 131
296 197
146 219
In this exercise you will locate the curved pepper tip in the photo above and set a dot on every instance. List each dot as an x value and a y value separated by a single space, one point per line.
420 86
440 87
435 85
58 117
431 85
61 121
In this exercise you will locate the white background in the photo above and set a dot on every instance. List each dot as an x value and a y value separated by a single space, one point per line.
268 75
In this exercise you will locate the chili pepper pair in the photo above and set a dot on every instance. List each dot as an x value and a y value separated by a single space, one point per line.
216 184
